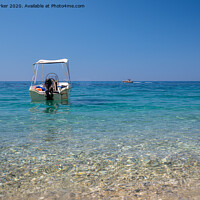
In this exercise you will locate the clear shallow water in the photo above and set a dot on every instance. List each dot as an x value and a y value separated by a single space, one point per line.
109 135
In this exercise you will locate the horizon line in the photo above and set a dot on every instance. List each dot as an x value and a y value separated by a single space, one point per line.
110 81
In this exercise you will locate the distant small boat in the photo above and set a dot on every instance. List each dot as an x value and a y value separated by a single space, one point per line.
128 81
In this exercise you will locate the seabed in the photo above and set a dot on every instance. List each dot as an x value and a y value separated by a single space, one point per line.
82 176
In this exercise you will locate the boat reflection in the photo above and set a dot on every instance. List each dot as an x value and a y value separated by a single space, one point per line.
50 106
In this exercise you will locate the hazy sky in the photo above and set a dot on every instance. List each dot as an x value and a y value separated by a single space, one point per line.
107 40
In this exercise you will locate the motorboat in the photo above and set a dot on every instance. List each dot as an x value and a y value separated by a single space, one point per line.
50 88
128 81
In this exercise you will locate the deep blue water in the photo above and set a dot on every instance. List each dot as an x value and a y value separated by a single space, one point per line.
140 123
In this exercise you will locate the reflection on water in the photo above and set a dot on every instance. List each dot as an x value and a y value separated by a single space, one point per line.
48 106
52 107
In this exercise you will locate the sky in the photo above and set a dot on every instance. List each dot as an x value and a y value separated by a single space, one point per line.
107 40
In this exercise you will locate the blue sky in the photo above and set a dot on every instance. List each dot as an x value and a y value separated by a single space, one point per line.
107 40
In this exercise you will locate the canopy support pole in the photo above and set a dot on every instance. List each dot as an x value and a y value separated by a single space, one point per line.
42 73
36 73
68 70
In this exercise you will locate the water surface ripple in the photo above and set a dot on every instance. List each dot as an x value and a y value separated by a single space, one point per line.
111 140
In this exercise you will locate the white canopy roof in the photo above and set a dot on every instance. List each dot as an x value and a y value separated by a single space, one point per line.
51 61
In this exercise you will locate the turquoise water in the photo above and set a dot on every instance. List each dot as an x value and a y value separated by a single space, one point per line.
109 133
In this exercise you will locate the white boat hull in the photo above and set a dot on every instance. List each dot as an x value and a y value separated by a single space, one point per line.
41 95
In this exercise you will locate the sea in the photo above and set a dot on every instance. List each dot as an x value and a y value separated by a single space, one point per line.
110 140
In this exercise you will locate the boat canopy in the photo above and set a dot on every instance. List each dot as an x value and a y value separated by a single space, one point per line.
51 61
36 65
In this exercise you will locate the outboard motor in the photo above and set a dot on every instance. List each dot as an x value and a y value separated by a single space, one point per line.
51 85
49 88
